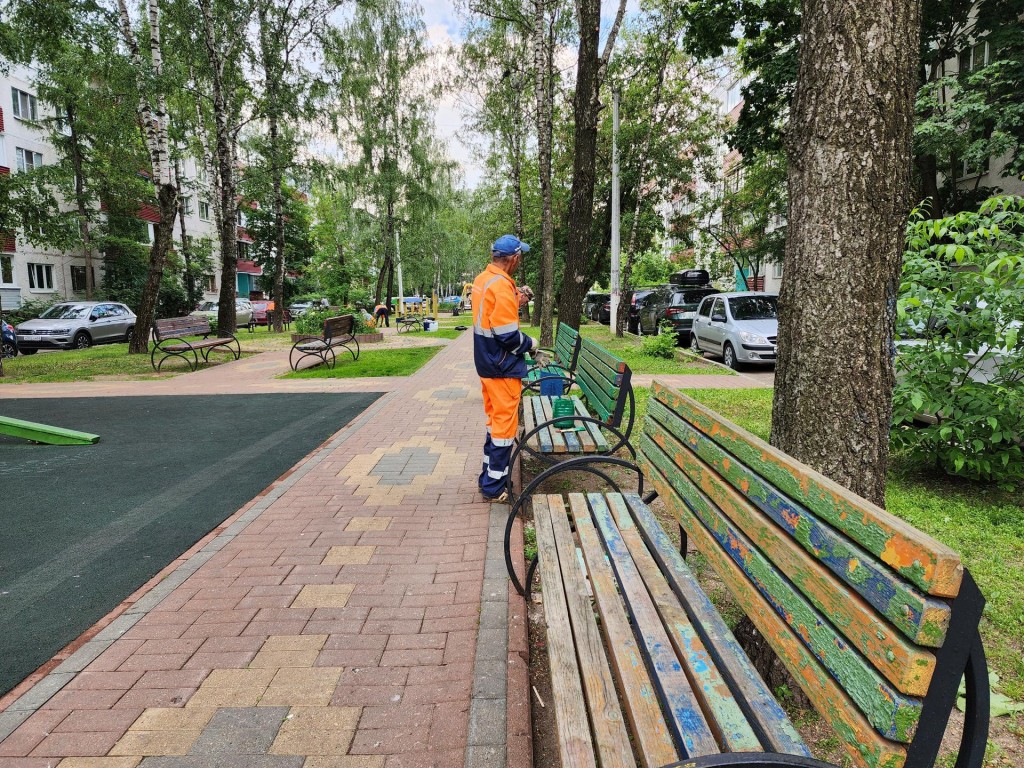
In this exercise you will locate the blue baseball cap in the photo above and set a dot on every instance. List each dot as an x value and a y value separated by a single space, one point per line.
507 245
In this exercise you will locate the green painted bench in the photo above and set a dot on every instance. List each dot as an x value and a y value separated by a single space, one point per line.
564 357
876 621
605 400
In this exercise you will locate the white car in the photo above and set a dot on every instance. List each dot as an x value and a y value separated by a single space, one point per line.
738 327
209 310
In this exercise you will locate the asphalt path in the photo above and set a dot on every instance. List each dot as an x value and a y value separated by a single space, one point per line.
82 527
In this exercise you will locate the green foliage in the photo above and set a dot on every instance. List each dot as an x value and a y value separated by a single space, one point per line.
29 310
312 321
652 268
662 345
125 268
962 360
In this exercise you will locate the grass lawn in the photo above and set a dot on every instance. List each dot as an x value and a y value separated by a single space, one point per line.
984 525
86 364
382 362
629 349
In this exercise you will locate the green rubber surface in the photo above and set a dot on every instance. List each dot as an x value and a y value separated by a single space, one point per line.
82 527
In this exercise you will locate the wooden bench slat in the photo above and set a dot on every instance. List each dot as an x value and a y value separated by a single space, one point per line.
602 700
930 565
723 713
685 717
894 714
922 619
599 401
760 705
600 443
557 439
528 421
602 354
853 729
654 741
742 568
903 663
586 438
600 370
543 437
574 740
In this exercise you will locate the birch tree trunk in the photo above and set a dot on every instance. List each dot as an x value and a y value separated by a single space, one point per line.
77 164
153 114
849 151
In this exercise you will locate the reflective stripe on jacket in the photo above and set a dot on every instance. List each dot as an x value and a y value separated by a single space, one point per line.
498 345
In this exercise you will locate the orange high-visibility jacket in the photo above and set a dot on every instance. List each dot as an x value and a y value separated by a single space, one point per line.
498 345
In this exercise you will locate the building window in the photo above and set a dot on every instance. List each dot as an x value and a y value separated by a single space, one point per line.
25 105
40 277
204 210
974 57
186 204
6 270
210 283
778 270
78 278
243 250
27 160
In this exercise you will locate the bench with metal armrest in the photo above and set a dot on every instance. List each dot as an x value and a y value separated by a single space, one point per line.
175 337
337 332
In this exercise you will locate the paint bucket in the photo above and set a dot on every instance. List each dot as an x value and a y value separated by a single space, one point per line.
561 407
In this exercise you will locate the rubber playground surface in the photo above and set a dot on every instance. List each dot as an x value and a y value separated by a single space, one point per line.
82 527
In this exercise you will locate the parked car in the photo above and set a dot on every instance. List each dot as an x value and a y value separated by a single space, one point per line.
682 308
643 309
739 327
9 343
593 303
210 309
299 308
76 325
261 312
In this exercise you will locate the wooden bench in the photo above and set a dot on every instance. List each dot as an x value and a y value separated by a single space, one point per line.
606 396
175 337
876 621
563 361
337 332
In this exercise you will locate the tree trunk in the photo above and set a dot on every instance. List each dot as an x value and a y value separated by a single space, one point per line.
167 195
77 165
544 79
186 247
849 151
277 180
581 201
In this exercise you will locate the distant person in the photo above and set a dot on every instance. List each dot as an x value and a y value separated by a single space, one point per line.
325 303
499 351
381 312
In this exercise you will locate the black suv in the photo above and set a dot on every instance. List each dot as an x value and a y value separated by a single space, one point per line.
682 306
593 303
675 304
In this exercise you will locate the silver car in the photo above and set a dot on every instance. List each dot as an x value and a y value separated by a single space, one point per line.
76 325
738 327
210 309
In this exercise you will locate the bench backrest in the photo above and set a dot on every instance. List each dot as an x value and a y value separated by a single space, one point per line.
604 380
567 346
339 327
181 326
855 602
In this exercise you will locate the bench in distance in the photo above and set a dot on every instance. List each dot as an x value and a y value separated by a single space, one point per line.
172 339
876 621
337 332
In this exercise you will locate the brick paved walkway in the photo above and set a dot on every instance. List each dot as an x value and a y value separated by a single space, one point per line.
355 615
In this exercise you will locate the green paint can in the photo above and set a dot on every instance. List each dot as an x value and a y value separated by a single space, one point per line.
560 408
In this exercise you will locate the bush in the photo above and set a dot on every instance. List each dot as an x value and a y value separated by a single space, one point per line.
663 345
961 357
312 322
29 310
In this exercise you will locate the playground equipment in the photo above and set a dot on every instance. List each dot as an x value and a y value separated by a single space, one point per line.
44 433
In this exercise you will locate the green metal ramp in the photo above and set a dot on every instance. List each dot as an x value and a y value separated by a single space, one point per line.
43 433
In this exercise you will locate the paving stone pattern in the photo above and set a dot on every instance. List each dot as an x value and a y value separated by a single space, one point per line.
357 616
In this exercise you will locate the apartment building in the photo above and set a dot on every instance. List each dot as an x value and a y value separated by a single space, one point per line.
31 273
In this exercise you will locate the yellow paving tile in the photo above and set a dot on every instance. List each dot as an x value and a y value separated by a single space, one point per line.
226 697
346 555
368 524
155 743
278 659
324 718
189 718
350 761
294 643
302 687
293 741
100 762
323 596
238 678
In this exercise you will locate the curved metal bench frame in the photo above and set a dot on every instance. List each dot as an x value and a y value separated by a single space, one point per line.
326 353
580 464
203 350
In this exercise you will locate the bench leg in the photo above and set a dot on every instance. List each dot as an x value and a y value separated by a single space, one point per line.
683 542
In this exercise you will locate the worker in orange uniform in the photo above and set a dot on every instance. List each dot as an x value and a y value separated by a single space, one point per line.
499 351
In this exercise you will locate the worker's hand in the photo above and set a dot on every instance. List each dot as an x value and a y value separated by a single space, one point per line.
541 358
